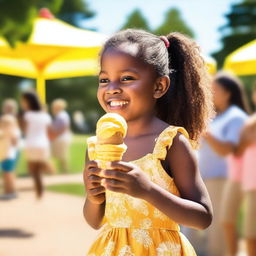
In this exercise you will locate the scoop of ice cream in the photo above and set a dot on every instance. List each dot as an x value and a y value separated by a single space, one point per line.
111 129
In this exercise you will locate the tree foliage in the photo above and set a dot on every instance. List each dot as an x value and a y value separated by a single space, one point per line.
174 22
16 16
136 20
239 29
75 11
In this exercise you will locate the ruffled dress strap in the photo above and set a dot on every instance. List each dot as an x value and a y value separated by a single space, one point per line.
165 139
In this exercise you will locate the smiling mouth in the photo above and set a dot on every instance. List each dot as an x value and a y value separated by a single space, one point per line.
117 103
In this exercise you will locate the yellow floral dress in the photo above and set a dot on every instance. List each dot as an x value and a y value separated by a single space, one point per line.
135 227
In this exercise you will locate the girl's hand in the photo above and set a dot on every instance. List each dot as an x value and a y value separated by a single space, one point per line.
126 178
92 180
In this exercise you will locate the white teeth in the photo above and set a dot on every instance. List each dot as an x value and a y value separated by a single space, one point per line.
118 103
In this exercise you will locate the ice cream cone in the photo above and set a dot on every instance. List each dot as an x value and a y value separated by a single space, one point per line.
108 144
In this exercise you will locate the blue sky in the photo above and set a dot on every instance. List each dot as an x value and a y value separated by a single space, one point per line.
203 16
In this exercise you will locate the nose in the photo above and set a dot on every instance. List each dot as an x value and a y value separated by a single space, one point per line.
113 88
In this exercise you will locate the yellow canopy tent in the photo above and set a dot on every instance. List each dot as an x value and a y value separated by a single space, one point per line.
211 64
54 50
242 61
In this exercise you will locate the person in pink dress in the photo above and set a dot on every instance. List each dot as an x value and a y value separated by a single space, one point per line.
242 171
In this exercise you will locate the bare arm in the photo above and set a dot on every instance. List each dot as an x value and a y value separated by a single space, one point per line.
193 208
220 147
248 135
94 207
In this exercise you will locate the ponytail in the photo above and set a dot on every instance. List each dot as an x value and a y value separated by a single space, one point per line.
187 102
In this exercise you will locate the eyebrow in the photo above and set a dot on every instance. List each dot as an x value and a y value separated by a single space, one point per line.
130 70
121 71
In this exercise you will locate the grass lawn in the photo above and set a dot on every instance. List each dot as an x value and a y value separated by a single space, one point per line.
70 188
77 156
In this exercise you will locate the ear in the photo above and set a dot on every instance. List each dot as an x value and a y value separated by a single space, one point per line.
161 86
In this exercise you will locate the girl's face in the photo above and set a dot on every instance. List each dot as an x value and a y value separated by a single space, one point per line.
126 85
220 96
24 104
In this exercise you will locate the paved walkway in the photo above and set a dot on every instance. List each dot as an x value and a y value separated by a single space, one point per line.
26 183
53 226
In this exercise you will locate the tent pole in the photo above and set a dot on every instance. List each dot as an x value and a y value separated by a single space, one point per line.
40 88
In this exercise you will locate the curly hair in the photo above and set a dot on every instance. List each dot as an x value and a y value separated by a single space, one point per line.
188 101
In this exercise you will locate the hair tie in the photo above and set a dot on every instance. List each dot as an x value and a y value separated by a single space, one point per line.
165 40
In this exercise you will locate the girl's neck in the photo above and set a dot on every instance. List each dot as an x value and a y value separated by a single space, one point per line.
222 109
145 125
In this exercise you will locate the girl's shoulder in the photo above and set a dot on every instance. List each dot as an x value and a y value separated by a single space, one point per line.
166 138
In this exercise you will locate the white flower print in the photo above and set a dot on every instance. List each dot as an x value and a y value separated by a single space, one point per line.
139 205
109 249
159 215
146 223
116 203
142 236
122 222
169 248
126 251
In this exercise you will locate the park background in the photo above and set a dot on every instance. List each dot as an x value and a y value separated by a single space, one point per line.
219 27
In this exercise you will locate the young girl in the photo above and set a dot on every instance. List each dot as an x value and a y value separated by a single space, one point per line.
9 139
159 85
37 147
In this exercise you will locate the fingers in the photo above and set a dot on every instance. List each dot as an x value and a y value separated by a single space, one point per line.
114 174
96 191
94 179
116 189
92 169
92 164
111 183
123 166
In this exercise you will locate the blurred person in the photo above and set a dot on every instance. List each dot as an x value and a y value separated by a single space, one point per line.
37 146
60 133
246 171
10 106
9 140
218 143
254 95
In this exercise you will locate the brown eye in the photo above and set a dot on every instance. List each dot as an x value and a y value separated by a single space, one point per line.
127 78
103 81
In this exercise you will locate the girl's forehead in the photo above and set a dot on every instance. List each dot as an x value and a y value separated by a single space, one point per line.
124 48
121 57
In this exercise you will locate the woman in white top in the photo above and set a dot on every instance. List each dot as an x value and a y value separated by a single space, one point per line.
37 145
60 133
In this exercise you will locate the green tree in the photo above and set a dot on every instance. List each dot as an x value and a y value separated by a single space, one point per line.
16 17
136 20
73 90
74 11
239 29
174 22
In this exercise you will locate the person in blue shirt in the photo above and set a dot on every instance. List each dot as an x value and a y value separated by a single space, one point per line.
218 143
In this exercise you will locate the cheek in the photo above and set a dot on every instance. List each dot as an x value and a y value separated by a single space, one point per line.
100 93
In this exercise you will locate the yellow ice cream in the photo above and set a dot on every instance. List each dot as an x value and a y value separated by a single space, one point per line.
108 143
